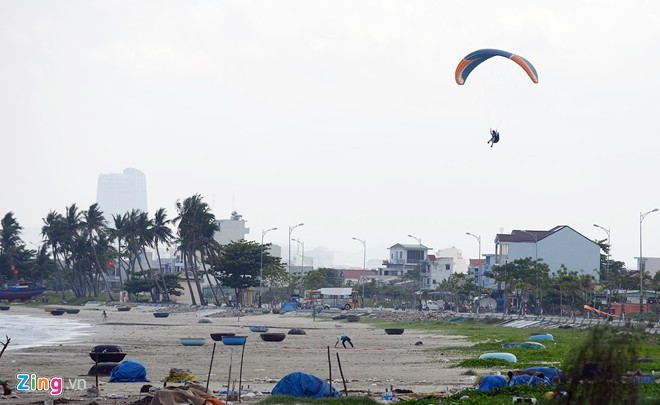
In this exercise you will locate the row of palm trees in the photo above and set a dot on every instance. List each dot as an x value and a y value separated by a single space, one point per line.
85 247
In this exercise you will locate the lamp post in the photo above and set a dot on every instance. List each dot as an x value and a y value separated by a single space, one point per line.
302 244
421 262
291 228
478 238
364 262
607 264
261 260
641 265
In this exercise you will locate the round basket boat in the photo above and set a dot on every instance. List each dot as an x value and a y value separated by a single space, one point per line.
106 349
259 329
272 337
102 368
218 336
544 336
394 331
234 340
123 309
297 331
511 358
193 341
5 307
161 314
57 312
72 311
107 357
353 318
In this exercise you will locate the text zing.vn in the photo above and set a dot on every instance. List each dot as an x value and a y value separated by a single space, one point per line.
54 385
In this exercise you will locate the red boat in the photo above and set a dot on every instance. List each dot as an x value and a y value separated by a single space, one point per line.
20 290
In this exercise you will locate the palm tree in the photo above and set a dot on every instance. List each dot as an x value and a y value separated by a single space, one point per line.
195 222
95 225
161 233
51 233
10 238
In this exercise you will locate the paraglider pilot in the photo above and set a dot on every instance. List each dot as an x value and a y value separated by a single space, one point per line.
343 339
494 137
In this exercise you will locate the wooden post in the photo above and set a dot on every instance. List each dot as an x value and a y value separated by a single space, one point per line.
342 375
240 375
330 371
208 378
231 354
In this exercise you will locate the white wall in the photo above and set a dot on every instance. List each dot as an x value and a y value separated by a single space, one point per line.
566 247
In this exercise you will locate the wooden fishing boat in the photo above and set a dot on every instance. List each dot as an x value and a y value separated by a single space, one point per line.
20 290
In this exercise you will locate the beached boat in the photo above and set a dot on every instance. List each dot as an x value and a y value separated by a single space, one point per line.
20 290
58 312
234 340
272 337
192 341
5 307
107 357
511 358
161 314
394 331
259 329
218 336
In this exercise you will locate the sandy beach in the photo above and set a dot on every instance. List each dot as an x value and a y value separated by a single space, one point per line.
378 360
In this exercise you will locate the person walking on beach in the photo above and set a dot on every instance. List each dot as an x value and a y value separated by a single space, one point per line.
105 316
343 339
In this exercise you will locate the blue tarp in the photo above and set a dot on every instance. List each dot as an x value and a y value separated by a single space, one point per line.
490 382
304 385
129 371
526 379
549 372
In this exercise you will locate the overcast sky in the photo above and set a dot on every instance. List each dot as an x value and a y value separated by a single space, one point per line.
343 115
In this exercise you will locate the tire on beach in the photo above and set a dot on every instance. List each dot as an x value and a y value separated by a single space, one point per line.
102 368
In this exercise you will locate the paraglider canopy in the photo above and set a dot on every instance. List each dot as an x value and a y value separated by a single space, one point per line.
471 61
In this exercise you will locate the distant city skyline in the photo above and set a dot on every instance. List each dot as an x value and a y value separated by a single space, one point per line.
119 193
344 116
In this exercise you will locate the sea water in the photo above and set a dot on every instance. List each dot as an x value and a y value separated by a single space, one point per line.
30 331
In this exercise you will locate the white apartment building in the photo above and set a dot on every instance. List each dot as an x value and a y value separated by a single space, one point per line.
119 193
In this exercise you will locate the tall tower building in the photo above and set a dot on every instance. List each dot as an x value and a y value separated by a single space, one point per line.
118 193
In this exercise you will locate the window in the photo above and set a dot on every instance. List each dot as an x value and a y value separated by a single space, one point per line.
447 266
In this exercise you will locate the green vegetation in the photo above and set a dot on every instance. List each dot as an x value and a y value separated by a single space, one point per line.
616 349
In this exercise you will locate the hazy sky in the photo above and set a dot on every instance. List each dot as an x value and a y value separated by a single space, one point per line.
343 115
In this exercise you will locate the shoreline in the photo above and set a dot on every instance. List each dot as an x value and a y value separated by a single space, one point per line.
378 361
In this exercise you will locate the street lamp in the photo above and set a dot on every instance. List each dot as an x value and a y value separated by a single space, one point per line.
478 238
261 260
291 228
641 265
364 262
607 264
302 244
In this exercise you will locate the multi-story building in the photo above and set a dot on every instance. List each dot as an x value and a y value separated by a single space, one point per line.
231 230
119 193
403 258
561 245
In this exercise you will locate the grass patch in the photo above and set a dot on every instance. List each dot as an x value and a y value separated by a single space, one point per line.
289 400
